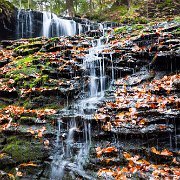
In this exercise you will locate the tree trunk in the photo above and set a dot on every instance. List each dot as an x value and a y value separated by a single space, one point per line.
122 2
70 7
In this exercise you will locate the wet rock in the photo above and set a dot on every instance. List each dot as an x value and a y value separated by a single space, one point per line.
163 48
6 43
149 130
146 39
6 176
2 139
172 41
78 172
3 62
176 83
27 120
8 94
7 20
94 33
30 170
6 160
161 159
166 61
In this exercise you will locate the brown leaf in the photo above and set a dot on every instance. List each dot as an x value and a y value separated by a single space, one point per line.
153 149
166 152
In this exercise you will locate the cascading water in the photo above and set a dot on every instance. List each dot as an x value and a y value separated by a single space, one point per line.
73 150
51 25
35 23
46 23
80 28
92 62
55 26
25 24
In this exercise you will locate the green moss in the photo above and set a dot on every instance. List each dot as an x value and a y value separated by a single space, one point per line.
23 61
54 39
19 73
120 29
123 10
28 46
27 49
133 20
32 40
7 5
22 70
166 3
177 19
27 120
125 29
137 27
23 150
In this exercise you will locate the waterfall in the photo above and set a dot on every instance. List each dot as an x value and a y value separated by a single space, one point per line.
46 23
24 24
35 23
55 26
51 26
76 133
80 28
112 67
91 62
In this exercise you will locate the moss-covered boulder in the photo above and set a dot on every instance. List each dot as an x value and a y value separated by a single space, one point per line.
22 150
27 120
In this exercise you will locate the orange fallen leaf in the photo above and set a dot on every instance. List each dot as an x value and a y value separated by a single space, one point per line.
40 134
19 174
127 155
133 170
110 149
105 171
153 149
142 121
166 152
175 161
162 127
98 152
28 164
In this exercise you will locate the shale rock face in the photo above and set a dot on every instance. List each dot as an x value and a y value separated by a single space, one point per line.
29 24
7 20
128 131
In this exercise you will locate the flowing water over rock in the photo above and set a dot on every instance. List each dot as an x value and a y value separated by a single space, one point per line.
25 24
75 156
120 112
75 137
35 23
55 26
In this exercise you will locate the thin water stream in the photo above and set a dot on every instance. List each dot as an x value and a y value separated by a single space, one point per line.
74 140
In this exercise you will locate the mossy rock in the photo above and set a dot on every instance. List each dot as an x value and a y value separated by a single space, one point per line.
24 151
6 176
2 139
25 52
6 160
27 120
31 169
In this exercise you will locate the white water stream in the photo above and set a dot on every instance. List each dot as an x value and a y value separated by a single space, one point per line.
67 160
24 24
55 26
